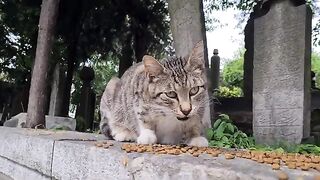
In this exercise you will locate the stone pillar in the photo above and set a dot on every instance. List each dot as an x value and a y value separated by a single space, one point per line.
281 74
57 87
85 109
215 70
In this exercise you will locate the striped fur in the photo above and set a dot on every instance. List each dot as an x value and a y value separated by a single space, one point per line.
162 101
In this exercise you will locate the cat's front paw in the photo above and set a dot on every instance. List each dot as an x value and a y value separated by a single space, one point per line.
147 137
199 141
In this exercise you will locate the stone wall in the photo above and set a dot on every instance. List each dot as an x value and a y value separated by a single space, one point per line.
42 154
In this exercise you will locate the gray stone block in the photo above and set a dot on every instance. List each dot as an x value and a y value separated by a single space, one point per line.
85 161
281 74
24 147
73 155
52 122
11 170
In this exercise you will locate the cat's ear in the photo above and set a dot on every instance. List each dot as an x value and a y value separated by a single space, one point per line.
151 66
195 61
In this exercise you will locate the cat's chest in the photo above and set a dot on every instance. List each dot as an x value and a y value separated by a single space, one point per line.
171 131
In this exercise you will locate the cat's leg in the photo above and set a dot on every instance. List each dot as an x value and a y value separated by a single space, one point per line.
195 136
106 106
123 134
199 141
112 116
147 134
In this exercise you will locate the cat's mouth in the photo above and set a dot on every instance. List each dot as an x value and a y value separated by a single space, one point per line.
183 118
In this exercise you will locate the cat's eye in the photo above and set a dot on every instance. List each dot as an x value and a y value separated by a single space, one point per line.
171 94
193 91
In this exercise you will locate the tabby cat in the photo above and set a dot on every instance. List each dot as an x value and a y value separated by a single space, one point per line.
159 102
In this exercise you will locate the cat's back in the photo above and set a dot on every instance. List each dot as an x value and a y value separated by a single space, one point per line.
135 70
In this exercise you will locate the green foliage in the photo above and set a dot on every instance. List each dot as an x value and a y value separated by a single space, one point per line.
225 134
232 73
315 66
282 147
228 92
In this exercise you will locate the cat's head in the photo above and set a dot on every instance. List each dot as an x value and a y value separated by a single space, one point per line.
178 84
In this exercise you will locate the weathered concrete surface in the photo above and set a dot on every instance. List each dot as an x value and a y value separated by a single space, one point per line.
25 147
70 157
281 74
17 171
4 177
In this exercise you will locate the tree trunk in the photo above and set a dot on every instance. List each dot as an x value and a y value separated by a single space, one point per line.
188 28
140 45
126 56
68 83
38 90
72 61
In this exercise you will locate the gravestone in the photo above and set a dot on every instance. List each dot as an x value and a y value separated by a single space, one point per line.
215 70
57 87
52 122
281 73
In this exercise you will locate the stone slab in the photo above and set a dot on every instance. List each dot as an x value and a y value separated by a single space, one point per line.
34 148
27 147
10 170
52 122
281 74
74 156
99 163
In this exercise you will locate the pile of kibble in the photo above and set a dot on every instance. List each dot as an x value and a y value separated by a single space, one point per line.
291 160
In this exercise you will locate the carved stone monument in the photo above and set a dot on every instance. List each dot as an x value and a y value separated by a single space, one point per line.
57 87
281 73
215 69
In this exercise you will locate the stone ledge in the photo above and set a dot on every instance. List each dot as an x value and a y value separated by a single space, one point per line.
42 154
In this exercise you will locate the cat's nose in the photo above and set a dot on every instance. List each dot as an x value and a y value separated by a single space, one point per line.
185 110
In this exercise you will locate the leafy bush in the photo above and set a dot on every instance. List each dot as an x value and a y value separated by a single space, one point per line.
232 73
224 91
225 134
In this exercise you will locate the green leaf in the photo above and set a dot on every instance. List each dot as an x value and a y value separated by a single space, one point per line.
216 124
230 127
209 133
220 130
225 140
224 117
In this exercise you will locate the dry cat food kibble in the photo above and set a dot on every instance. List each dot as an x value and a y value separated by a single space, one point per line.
104 144
282 176
275 160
